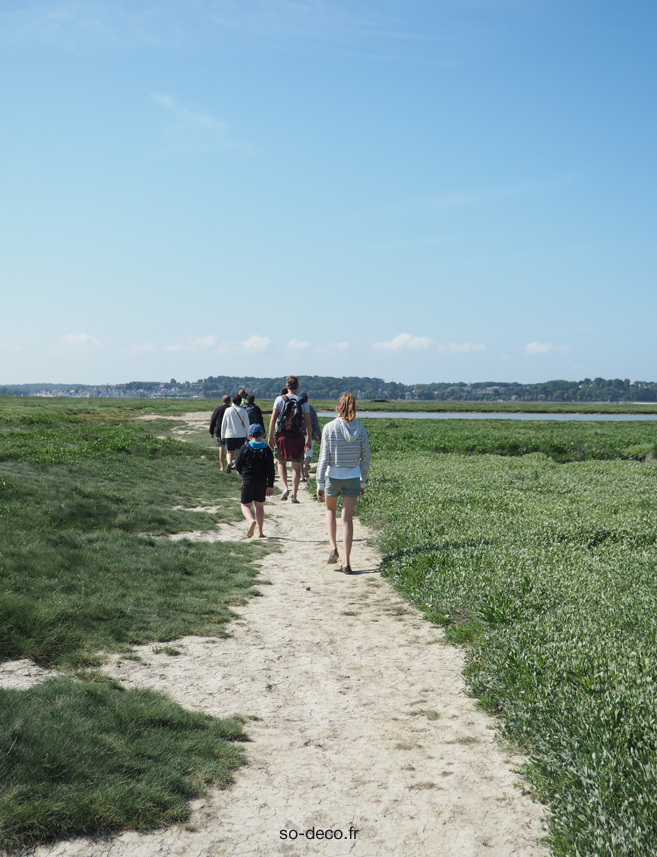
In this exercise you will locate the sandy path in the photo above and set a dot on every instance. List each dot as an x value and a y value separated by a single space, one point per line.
338 668
335 666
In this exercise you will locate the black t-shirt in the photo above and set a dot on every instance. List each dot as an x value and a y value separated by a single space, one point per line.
217 417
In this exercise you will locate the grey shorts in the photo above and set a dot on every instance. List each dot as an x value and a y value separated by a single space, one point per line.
346 487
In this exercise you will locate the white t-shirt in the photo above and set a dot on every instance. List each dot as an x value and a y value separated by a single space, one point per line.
279 404
343 472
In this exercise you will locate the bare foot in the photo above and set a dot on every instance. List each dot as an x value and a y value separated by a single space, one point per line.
251 530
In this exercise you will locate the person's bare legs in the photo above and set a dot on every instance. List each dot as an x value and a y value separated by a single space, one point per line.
282 472
260 517
231 455
251 521
296 477
348 506
331 504
222 450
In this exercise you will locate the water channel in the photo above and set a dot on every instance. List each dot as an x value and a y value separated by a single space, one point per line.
478 415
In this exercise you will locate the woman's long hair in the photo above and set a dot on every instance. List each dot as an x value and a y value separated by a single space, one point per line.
346 407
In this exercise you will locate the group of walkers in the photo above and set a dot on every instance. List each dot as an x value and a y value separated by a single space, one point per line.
294 428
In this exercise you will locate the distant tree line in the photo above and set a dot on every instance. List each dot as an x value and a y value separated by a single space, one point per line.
587 390
316 386
329 387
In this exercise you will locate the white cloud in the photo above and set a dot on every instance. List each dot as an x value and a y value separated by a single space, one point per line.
194 344
545 347
461 348
195 131
338 26
77 343
338 346
404 342
139 349
256 344
296 345
538 347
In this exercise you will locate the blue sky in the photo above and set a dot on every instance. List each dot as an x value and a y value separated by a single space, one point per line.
421 191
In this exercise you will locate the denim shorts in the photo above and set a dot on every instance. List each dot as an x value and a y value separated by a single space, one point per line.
346 487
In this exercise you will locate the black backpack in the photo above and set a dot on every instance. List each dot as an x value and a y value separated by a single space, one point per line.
258 461
290 420
255 414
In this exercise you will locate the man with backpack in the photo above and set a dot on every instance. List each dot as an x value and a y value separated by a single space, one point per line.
254 412
287 420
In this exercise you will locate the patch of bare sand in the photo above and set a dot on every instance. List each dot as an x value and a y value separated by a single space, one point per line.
338 669
193 417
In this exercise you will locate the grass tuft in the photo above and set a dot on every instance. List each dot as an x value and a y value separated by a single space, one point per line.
89 759
429 713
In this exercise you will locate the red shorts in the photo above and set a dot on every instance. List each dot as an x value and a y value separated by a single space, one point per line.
290 447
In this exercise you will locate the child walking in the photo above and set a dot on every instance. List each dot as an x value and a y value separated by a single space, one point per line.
255 464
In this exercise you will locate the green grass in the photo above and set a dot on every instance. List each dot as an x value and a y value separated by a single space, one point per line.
507 407
85 509
548 572
88 758
87 502
572 441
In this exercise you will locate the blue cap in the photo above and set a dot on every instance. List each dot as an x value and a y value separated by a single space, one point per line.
255 429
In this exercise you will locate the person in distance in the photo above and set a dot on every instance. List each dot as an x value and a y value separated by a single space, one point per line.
287 419
215 427
234 428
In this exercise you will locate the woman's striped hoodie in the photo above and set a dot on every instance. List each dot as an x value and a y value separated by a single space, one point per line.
344 444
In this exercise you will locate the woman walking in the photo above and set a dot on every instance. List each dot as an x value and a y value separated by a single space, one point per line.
234 427
342 469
